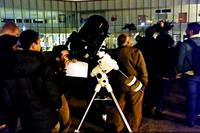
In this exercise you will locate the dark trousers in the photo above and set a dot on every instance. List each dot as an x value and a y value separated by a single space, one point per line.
164 85
151 92
156 92
192 93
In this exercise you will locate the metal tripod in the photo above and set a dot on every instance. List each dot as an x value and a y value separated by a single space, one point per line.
103 82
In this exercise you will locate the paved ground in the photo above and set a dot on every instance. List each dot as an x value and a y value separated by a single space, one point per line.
174 112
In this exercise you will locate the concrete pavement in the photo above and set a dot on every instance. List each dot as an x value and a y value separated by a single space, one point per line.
173 110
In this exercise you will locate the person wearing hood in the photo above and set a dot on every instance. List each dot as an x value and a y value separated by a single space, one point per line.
30 83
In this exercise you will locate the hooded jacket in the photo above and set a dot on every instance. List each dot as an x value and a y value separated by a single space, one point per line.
33 94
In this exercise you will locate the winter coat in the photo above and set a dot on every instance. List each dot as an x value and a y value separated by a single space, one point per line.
166 61
34 96
2 107
6 43
149 48
131 62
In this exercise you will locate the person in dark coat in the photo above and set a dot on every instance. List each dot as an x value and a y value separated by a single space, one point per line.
149 48
9 28
30 83
8 44
165 67
167 70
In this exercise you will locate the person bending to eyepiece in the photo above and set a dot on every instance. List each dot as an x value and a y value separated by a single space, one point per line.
59 63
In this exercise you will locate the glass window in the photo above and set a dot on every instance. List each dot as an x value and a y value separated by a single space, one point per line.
56 20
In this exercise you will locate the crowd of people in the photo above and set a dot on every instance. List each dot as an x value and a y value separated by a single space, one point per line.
30 86
156 61
34 88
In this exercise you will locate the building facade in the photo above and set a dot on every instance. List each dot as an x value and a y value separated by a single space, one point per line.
55 20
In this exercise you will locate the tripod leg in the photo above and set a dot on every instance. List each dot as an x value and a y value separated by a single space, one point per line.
77 130
120 112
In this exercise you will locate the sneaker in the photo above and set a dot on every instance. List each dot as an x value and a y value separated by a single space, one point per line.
158 116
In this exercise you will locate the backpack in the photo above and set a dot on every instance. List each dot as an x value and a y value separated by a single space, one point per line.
195 57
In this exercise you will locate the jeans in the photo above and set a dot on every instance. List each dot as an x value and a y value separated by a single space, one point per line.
192 93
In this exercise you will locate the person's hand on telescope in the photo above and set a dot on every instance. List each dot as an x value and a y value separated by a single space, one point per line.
66 62
74 60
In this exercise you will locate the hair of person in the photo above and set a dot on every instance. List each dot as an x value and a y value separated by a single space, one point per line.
166 40
57 50
27 38
9 26
149 31
195 27
138 38
7 42
122 40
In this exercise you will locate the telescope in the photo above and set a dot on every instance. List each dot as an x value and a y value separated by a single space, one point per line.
88 43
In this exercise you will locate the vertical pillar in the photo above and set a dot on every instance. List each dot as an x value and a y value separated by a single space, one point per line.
76 16
56 21
127 19
43 16
0 17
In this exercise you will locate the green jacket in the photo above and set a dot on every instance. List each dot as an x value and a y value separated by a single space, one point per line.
131 62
